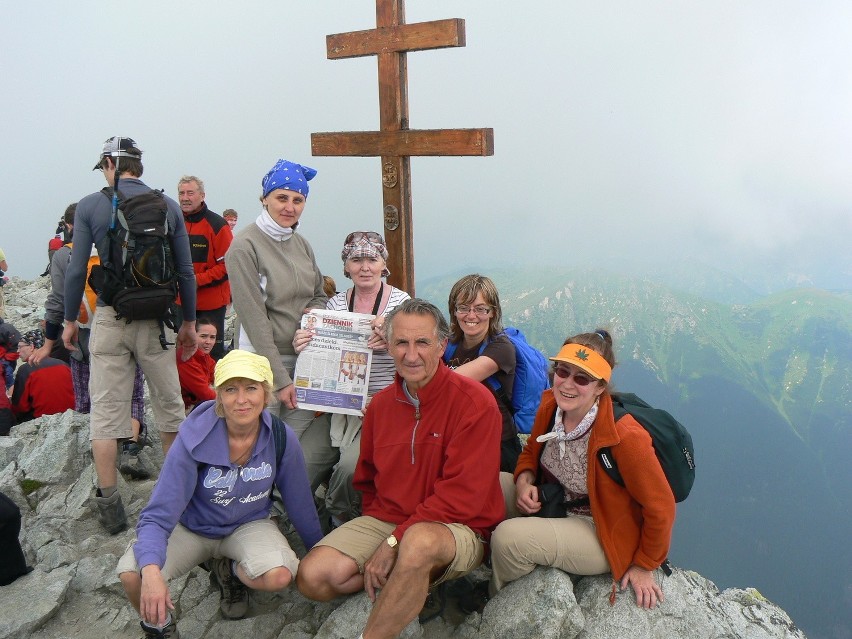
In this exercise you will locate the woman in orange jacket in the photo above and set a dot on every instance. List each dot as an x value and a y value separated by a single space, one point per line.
625 530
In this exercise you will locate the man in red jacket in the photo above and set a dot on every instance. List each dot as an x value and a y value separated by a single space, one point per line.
428 472
45 389
209 239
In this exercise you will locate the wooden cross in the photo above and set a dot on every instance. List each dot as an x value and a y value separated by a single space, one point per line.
395 143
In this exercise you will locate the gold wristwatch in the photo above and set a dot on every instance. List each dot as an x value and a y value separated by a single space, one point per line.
392 542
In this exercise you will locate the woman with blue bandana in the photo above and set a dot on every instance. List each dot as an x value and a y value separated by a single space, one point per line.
274 280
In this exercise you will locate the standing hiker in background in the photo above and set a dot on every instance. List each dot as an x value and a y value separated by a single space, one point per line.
209 239
117 345
606 527
3 279
129 461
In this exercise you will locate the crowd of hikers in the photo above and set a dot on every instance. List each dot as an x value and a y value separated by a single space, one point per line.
432 479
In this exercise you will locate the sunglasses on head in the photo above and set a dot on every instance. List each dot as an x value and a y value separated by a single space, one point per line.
580 379
372 236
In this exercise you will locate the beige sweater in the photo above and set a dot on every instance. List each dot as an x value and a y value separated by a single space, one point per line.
272 282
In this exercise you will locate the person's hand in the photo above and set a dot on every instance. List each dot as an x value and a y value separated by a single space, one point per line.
377 338
648 592
40 353
69 335
155 600
287 396
526 494
378 568
301 339
187 340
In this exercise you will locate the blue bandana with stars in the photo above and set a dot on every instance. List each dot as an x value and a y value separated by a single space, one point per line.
287 175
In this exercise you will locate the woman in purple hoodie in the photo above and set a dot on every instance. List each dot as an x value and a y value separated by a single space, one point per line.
213 497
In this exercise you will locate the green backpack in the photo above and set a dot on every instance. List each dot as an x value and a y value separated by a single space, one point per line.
672 443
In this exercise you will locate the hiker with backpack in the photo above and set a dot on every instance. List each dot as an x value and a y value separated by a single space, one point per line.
479 349
130 463
145 259
213 499
563 508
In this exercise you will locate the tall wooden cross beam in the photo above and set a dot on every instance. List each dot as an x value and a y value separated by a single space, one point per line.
395 143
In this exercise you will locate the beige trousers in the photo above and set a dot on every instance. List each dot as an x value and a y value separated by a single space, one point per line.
521 543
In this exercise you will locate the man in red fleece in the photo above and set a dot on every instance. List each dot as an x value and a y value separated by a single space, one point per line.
209 239
428 472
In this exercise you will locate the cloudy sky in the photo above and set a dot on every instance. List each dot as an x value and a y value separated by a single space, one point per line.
718 130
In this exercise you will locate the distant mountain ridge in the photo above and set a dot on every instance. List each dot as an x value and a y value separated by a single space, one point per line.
766 390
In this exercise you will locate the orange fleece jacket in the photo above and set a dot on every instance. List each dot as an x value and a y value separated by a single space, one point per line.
634 522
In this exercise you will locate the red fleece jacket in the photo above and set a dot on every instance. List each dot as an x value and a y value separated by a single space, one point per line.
43 390
438 463
210 238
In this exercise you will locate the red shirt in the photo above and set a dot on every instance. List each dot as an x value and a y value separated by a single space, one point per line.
196 377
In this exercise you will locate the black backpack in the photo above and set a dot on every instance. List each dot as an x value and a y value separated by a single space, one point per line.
138 277
672 443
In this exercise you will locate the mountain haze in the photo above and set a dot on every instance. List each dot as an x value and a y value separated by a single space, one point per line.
764 388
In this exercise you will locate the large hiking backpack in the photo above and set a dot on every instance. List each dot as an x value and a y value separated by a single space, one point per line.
139 279
531 379
672 443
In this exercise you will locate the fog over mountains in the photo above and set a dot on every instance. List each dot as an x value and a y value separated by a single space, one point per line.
762 383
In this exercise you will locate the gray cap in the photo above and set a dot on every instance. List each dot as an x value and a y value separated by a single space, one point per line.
119 147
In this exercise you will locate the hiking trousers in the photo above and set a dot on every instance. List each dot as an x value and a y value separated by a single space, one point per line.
116 347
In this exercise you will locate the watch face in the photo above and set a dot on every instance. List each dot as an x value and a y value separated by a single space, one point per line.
392 542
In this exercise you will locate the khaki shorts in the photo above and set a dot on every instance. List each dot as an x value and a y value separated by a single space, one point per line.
115 348
359 538
257 546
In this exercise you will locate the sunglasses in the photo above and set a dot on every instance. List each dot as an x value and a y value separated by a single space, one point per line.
580 379
372 236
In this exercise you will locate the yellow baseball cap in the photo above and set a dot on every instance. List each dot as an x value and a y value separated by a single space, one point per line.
244 364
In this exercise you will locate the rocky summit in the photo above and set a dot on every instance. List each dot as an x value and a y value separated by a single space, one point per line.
46 469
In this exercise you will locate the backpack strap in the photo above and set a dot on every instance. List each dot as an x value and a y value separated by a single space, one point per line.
280 436
604 455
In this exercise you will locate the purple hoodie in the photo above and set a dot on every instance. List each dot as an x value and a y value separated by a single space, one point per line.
200 487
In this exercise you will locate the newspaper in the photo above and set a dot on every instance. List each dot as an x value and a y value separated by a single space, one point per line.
333 372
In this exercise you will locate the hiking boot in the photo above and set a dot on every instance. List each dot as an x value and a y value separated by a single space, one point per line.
473 598
169 632
434 604
234 595
130 463
111 512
